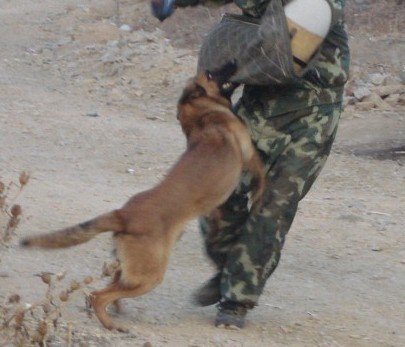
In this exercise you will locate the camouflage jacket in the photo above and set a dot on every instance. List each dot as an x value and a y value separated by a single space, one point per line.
322 84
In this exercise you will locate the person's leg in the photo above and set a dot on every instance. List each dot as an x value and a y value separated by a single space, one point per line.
247 248
256 250
220 239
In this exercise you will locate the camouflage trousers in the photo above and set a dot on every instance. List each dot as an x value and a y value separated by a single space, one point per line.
247 247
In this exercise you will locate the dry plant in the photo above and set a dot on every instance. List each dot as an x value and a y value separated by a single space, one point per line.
10 212
39 323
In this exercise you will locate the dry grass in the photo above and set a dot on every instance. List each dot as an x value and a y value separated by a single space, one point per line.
33 324
10 212
37 324
42 322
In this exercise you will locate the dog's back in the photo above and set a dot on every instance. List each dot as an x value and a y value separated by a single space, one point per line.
207 119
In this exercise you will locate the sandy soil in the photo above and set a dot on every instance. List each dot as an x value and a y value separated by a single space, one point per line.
89 110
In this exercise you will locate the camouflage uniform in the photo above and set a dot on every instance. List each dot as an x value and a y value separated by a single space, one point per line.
293 127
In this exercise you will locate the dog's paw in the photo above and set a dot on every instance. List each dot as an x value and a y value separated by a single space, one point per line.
120 327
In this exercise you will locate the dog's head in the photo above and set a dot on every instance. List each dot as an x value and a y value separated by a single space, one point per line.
206 92
215 85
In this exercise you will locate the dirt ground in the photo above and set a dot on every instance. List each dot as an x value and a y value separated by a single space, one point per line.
88 108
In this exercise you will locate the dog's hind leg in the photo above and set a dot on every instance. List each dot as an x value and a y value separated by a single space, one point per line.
99 300
116 279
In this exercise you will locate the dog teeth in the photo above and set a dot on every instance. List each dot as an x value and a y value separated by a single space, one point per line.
227 85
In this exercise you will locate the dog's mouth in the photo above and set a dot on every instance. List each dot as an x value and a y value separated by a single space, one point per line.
227 89
227 86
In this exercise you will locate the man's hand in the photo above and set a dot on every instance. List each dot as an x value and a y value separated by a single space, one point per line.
162 9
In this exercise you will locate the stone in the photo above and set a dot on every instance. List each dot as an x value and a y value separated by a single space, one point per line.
384 91
378 101
365 106
360 92
377 79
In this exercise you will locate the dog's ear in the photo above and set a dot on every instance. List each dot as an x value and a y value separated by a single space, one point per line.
192 92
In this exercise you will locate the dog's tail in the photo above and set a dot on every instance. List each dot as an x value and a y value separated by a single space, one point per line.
76 234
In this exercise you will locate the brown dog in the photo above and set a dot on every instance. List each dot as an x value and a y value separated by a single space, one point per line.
219 148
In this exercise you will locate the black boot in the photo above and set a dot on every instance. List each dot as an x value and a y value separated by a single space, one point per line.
209 293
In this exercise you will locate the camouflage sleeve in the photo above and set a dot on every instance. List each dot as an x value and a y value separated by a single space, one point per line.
185 3
337 4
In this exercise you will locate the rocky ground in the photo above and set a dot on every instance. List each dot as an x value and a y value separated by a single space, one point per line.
88 91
